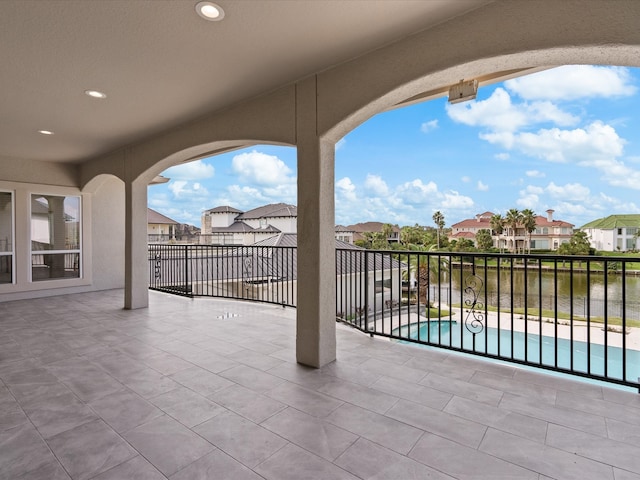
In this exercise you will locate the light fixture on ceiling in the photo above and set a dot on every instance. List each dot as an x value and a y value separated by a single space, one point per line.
210 11
45 132
463 91
95 94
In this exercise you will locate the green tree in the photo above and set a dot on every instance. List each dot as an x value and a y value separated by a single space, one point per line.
513 218
528 219
462 245
423 268
484 240
438 219
577 245
497 226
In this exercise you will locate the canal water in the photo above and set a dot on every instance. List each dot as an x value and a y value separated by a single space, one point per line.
566 292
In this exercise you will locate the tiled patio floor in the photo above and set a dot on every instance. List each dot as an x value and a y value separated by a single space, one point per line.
209 389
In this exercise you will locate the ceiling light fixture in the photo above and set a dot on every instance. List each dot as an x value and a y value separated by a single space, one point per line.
463 91
95 94
210 11
45 132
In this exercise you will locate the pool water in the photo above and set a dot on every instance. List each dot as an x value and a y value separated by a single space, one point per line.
556 352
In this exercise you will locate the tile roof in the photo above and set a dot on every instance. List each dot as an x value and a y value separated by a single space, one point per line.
271 210
223 209
614 221
369 227
154 217
234 227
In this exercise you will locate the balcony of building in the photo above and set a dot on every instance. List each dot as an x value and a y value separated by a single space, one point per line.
210 388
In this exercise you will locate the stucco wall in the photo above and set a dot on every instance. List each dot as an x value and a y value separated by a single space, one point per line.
108 235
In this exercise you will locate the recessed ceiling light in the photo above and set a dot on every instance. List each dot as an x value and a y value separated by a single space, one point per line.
210 11
45 132
95 94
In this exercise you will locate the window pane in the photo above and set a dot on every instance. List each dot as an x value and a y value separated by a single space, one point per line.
55 227
6 237
46 266
6 222
55 223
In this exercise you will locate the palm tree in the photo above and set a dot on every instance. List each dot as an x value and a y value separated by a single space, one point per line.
438 219
529 224
422 268
513 218
497 225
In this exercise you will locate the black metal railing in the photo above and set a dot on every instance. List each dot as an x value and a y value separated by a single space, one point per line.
576 315
264 274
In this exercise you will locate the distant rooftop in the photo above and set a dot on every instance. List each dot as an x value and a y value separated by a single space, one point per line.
223 209
271 210
615 221
154 217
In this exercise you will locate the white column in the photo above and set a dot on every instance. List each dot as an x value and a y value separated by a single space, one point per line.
316 290
136 269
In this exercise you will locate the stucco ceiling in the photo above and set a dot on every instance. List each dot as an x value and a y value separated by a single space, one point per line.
161 64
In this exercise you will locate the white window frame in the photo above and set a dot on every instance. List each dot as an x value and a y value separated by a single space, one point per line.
12 252
79 250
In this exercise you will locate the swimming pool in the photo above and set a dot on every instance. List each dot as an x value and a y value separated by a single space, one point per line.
555 352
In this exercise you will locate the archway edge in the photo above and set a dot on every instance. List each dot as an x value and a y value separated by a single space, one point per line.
269 119
501 36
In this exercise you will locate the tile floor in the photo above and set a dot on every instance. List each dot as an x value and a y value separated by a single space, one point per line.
186 390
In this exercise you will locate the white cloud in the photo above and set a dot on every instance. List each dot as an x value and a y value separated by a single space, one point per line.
502 156
426 127
416 192
376 185
528 200
196 170
346 189
454 200
535 174
581 145
573 81
466 179
182 189
262 169
341 143
572 191
482 187
499 114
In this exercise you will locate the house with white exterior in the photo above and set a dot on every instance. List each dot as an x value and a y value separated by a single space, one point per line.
549 233
615 233
226 225
160 228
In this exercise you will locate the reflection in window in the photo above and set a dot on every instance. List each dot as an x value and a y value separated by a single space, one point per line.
55 237
6 237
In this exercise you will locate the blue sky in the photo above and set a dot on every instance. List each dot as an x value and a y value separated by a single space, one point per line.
565 138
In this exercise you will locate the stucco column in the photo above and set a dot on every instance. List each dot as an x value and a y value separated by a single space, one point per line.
316 301
136 267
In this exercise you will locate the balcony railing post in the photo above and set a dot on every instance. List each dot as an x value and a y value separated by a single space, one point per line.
186 269
366 292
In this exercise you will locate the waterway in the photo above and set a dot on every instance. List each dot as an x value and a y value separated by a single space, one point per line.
562 291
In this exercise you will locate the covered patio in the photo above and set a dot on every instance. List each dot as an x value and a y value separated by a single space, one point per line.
210 388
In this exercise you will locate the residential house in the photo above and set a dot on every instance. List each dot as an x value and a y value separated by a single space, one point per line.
226 225
360 229
344 234
549 234
160 228
615 233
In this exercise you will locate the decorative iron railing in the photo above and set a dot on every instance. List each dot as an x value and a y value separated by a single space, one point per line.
576 315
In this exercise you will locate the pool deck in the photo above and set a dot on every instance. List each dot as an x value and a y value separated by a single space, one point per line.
208 388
